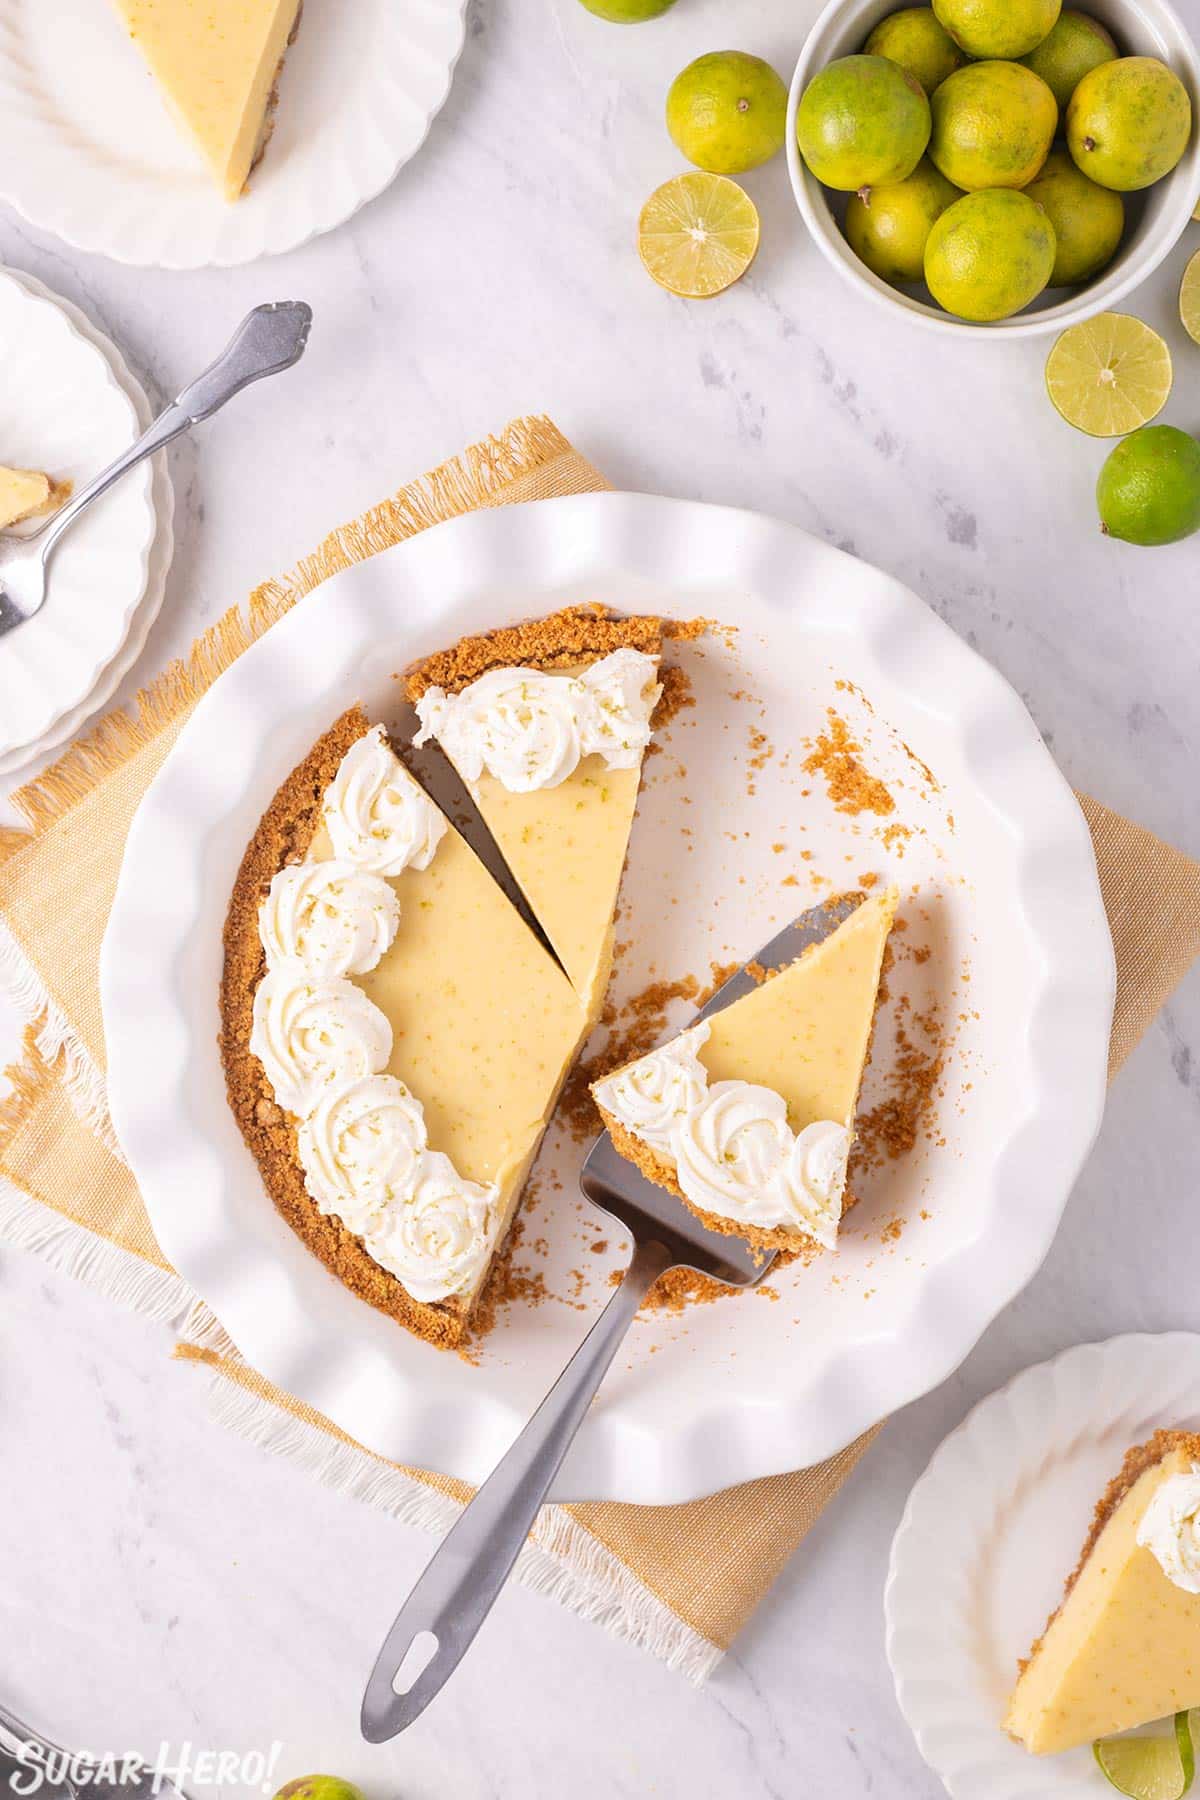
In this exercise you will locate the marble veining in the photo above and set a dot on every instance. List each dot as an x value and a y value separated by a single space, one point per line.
171 1580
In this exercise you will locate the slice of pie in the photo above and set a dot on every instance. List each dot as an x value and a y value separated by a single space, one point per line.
749 1115
23 492
1124 1646
217 64
551 755
394 1035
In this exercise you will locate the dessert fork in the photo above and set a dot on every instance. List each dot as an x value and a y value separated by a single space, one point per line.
269 339
438 1621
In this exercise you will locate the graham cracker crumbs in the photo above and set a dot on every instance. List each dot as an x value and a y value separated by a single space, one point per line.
836 756
894 837
560 639
633 1029
890 1129
757 973
676 695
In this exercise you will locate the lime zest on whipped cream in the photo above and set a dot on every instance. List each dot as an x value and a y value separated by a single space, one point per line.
730 1143
530 728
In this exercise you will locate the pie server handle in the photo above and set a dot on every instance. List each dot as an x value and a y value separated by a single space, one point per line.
465 1574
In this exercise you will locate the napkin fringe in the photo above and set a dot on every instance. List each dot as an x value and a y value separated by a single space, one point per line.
561 1560
118 1274
52 1037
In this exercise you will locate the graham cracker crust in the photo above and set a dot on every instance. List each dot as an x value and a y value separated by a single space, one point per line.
266 131
283 836
1136 1461
572 635
794 1244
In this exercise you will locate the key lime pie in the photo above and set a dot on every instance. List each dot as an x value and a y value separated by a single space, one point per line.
393 1033
749 1115
1124 1646
217 64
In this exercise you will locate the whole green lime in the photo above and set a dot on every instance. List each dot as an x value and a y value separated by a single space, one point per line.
319 1787
1129 122
627 12
1077 45
993 124
997 28
1088 220
862 121
913 38
888 227
989 255
727 111
1149 487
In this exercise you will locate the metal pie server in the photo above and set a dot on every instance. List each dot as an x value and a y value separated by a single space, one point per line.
268 340
454 1595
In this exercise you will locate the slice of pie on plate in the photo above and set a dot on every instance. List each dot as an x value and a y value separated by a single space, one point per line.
1124 1646
217 64
394 1035
749 1115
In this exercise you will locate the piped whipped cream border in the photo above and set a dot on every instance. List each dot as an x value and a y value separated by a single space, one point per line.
530 728
732 1149
1170 1528
324 1045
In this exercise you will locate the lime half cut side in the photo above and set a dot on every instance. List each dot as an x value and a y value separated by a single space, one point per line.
1109 374
1189 298
1150 1768
698 234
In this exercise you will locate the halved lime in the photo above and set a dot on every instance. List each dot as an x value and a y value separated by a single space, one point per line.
1109 374
697 234
1150 1768
1189 298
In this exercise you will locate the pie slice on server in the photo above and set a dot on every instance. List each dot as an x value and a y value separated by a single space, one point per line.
217 64
394 1035
749 1115
1124 1646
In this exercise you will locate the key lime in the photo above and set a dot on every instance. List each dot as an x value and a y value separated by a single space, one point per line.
888 227
989 255
727 112
698 234
627 12
1088 220
993 123
1129 122
914 38
1149 487
1109 375
1189 298
1077 45
319 1787
1150 1768
1004 28
862 121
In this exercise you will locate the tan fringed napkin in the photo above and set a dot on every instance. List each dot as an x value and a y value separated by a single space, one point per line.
680 1580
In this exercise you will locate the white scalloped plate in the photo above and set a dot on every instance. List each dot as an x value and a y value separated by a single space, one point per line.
1000 886
150 604
989 1535
88 150
63 409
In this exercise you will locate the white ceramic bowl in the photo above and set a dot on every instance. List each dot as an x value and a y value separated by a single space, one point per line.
1154 219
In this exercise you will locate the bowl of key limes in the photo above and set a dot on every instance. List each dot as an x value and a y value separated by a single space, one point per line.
998 166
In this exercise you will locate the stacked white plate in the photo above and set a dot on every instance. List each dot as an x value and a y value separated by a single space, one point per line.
69 405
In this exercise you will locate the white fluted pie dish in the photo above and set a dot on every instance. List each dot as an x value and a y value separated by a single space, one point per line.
732 838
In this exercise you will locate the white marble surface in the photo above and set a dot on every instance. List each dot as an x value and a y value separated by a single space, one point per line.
161 1578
